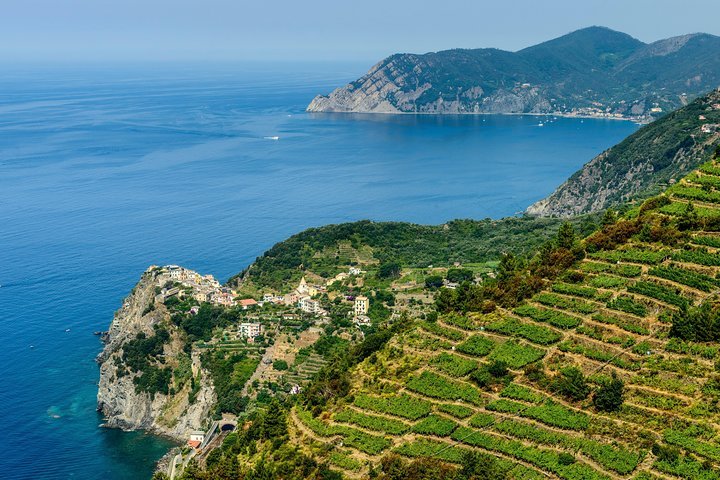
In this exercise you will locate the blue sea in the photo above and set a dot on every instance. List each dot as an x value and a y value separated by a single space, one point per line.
106 170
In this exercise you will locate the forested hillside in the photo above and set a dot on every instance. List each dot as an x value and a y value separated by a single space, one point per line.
326 249
594 71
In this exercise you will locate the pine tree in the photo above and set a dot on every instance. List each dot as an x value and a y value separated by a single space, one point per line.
566 236
609 217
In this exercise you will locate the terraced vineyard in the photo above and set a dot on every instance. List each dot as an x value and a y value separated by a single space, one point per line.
305 370
498 382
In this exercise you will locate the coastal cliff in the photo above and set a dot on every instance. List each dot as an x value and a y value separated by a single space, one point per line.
394 86
646 162
593 72
131 404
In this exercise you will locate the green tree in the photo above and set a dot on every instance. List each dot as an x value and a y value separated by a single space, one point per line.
609 217
609 397
433 281
459 275
274 422
566 237
280 365
571 384
478 466
689 218
498 369
509 265
389 270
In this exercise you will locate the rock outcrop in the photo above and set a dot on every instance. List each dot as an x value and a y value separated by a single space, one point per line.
390 88
119 400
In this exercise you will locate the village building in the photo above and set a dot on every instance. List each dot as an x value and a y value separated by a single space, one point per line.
302 288
361 306
309 305
246 303
250 330
355 271
362 320
197 437
291 298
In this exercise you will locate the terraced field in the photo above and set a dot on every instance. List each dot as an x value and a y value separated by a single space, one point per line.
437 389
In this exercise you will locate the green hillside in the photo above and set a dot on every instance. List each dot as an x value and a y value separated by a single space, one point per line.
595 359
643 164
326 250
608 372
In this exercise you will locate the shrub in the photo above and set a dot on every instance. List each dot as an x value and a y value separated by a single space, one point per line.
457 411
372 422
441 331
280 365
609 397
627 304
436 386
690 278
515 328
659 292
542 314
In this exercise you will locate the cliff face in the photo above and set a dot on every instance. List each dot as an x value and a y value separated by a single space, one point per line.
392 86
118 398
590 72
652 158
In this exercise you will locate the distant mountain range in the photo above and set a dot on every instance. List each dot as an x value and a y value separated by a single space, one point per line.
595 71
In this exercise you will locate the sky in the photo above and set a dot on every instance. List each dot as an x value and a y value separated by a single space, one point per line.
318 30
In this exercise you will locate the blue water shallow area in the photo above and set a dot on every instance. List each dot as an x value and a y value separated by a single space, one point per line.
104 171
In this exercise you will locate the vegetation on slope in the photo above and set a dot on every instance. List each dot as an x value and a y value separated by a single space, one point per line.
325 250
643 164
579 70
592 359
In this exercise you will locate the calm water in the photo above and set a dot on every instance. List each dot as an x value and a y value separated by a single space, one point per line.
103 172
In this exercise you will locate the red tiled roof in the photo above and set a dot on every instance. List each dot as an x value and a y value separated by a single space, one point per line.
194 443
248 301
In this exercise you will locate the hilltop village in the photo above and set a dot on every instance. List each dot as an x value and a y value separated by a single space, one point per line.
176 281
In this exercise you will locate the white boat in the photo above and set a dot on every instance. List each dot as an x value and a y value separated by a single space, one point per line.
540 124
274 137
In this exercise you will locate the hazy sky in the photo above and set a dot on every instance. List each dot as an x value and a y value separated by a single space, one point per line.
319 29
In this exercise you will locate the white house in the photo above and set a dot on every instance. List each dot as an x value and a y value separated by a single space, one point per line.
250 330
362 305
197 437
309 305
